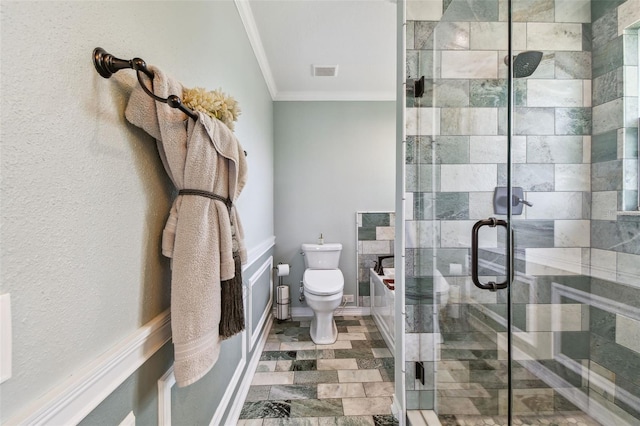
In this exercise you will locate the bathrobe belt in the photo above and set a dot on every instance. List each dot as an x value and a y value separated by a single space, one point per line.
226 200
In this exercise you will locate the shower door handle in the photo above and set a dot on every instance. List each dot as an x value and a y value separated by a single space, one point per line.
491 222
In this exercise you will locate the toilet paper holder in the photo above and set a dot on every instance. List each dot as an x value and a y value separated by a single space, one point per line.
283 303
283 298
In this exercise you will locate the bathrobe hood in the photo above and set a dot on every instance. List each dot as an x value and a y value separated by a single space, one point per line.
201 234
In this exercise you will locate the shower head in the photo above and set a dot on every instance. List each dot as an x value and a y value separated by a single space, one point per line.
525 63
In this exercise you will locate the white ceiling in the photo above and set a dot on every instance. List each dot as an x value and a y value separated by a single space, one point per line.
290 36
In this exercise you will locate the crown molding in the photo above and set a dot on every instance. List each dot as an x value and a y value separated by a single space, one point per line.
248 20
246 15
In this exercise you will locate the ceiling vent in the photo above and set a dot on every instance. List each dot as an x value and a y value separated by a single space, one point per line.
325 70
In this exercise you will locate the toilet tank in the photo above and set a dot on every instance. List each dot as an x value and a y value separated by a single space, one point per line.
322 256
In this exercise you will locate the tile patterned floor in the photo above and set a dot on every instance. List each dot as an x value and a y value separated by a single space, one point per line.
472 384
540 420
348 383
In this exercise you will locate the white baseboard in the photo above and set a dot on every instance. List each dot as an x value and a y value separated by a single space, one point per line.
353 311
356 311
76 397
396 410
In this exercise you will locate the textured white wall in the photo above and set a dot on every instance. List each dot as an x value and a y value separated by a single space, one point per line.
332 160
84 195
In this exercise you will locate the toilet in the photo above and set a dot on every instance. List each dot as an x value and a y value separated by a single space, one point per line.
323 287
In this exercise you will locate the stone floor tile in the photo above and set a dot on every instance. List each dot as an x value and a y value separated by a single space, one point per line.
265 409
300 383
284 365
316 407
373 335
372 389
364 406
457 406
342 322
370 363
292 421
297 346
286 392
359 344
272 346
347 421
381 353
388 374
363 329
278 355
351 336
315 377
304 365
258 393
266 366
317 354
339 344
250 422
353 353
346 376
384 420
337 364
341 390
275 378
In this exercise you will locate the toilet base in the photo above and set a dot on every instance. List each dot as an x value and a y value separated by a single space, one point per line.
323 329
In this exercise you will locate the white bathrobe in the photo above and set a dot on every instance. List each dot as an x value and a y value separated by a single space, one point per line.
201 155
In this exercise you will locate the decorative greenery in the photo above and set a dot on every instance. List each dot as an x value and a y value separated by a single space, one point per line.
215 103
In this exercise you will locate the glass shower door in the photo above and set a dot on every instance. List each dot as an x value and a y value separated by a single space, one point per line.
456 155
532 317
575 299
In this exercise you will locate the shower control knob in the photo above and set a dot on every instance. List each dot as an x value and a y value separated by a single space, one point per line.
518 200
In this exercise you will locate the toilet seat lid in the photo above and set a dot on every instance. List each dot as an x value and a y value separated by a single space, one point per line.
323 281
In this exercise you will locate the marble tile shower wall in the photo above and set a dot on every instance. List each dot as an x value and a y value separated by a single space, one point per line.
456 146
376 235
456 142
615 253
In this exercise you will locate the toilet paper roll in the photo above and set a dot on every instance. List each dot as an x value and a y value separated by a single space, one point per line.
282 302
282 269
283 312
283 294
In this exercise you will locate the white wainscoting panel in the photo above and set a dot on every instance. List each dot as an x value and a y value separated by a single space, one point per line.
165 384
72 400
243 390
231 386
75 398
130 420
266 268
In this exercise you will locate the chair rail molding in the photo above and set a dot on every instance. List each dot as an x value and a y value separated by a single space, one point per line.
73 399
76 397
